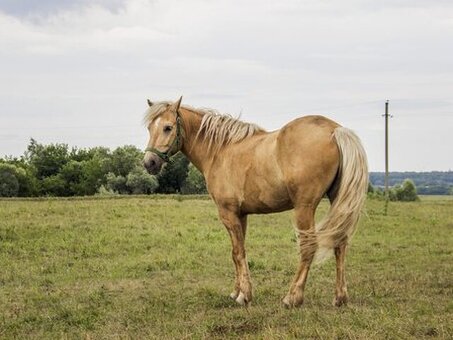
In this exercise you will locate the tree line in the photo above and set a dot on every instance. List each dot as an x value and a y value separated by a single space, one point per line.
57 170
405 192
428 183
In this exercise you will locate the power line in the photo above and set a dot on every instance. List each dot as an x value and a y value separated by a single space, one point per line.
70 127
344 106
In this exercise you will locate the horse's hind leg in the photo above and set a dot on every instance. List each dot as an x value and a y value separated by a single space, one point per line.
308 246
341 293
236 227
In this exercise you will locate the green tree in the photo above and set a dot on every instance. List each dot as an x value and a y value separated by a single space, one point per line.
172 177
125 159
195 182
54 185
9 184
72 174
138 181
94 171
406 192
86 173
116 183
27 183
47 160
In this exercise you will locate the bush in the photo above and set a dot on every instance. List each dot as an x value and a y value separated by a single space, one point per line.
9 184
173 175
406 192
195 182
53 186
124 159
116 183
27 185
138 181
47 159
103 191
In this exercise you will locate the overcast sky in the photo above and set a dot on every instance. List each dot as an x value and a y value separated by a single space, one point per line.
79 71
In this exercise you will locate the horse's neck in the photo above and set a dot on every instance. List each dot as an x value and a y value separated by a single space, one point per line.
194 146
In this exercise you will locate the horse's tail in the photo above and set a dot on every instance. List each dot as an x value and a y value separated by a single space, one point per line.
347 194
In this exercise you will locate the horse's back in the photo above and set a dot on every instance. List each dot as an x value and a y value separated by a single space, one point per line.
308 126
308 157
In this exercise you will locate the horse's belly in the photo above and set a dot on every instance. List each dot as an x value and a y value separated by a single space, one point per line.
264 207
263 199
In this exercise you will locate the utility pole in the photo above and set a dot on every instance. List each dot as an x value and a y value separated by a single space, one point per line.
386 178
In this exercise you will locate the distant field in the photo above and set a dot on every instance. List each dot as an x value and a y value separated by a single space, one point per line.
436 197
157 267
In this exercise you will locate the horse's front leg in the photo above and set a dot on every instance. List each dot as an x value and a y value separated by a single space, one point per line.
236 226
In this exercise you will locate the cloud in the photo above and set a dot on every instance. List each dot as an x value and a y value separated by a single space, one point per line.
96 61
44 8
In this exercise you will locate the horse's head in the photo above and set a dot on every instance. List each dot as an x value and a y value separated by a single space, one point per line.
165 134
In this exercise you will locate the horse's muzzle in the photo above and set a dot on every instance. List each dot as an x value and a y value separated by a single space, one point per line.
152 163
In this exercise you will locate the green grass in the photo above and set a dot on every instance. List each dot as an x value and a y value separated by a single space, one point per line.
147 267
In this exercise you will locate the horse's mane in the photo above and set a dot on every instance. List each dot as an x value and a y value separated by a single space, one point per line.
222 129
216 129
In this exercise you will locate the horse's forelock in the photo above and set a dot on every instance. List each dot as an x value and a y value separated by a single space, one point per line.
154 111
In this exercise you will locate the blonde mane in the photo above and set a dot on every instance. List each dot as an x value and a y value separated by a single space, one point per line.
216 129
222 129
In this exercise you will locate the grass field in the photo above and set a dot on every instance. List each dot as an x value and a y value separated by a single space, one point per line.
161 268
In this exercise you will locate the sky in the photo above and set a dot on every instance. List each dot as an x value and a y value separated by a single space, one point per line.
80 71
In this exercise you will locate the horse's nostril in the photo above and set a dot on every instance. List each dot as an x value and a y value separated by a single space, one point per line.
152 163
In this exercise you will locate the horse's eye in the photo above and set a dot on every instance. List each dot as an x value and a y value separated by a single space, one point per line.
168 128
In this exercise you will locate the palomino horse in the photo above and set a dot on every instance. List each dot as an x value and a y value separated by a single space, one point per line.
252 171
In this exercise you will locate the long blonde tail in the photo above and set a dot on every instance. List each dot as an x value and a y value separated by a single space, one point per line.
340 223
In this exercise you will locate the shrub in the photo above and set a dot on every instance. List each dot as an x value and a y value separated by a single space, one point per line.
138 181
402 192
195 182
9 184
53 186
116 183
103 191
406 192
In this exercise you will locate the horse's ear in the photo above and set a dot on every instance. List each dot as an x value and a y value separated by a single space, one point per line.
150 103
177 104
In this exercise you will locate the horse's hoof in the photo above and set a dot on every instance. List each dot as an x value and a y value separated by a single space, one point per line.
241 300
290 301
233 296
286 302
339 301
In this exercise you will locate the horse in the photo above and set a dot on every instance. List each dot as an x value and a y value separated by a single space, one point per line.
252 171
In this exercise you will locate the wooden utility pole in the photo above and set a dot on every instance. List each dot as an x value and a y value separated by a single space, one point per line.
386 178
